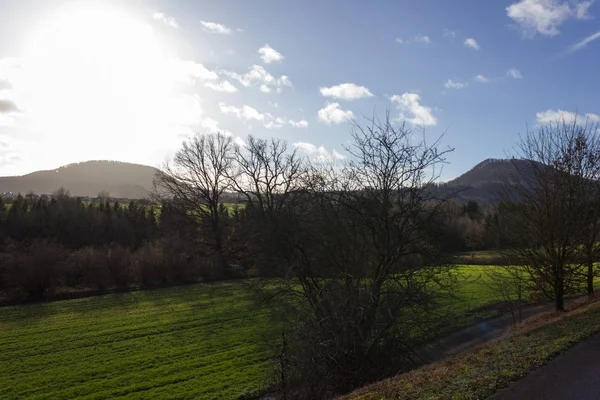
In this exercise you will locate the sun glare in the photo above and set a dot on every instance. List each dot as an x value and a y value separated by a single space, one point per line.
93 75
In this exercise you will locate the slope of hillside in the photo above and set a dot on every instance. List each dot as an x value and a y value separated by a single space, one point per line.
484 181
120 179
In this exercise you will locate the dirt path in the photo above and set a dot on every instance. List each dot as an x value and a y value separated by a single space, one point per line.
474 335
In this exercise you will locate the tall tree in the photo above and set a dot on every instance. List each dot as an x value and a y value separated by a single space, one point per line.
552 203
364 262
267 176
196 179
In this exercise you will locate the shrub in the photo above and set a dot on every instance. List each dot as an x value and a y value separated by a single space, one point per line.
36 268
88 268
119 265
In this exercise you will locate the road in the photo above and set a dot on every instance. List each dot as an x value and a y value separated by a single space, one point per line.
573 375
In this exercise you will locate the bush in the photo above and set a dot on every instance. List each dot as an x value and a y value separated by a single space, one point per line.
35 269
120 266
149 266
88 268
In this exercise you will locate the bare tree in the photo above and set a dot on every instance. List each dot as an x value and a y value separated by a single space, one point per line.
61 194
558 172
266 174
103 196
364 260
268 177
509 284
195 181
584 158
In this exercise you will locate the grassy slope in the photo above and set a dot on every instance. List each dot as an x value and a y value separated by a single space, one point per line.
480 372
202 341
471 292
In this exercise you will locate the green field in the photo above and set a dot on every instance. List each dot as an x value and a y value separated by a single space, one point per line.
202 341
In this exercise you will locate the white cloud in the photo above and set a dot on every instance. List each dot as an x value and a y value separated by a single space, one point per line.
265 89
269 54
8 106
269 121
332 113
472 43
284 80
214 27
481 79
412 111
280 122
275 122
514 73
258 76
298 124
319 154
238 141
9 69
346 91
422 39
171 21
245 112
251 113
211 125
186 110
559 116
583 43
6 120
449 34
545 16
417 39
14 150
191 71
224 86
450 84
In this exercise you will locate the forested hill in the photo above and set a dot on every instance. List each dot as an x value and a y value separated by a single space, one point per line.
120 179
133 181
485 180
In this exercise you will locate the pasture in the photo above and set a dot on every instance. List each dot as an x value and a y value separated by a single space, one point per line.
200 341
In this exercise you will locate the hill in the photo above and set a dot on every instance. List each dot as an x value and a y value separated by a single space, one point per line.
485 180
125 180
120 179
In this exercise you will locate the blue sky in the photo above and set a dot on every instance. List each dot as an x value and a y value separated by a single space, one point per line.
130 80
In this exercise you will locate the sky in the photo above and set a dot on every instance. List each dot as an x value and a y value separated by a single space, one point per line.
130 80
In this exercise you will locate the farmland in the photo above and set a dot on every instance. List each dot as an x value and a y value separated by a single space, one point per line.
202 341
197 341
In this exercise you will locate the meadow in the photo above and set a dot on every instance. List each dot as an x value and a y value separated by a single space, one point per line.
199 341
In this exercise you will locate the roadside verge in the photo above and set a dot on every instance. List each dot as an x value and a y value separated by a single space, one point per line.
481 371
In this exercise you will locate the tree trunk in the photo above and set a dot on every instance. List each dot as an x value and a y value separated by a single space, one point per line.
559 295
590 278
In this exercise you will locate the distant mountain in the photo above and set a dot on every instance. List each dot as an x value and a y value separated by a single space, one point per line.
122 180
484 181
133 181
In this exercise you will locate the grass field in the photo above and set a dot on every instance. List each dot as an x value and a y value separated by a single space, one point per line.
203 341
